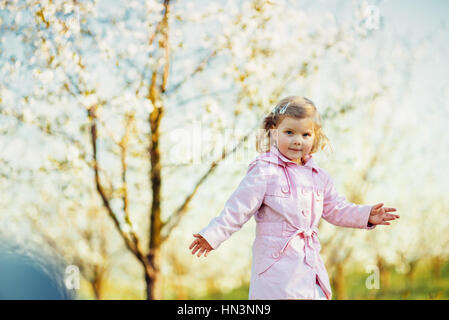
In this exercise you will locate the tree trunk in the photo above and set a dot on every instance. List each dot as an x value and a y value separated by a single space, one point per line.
409 276
96 287
384 273
411 272
154 283
339 282
436 266
154 290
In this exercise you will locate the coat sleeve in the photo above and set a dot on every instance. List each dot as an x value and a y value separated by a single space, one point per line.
339 212
240 207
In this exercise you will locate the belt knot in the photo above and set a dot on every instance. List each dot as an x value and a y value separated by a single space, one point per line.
309 250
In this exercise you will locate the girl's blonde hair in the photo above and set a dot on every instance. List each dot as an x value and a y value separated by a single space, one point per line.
295 107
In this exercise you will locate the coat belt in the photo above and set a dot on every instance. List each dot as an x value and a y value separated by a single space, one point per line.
309 250
280 228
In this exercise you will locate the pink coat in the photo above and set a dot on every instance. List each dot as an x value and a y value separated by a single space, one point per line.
287 201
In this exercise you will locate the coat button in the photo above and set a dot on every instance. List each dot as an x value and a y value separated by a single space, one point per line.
275 255
305 212
284 189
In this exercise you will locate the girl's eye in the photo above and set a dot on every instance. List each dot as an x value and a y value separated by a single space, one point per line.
306 134
288 131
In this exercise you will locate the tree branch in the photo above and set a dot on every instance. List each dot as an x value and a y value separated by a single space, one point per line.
129 244
175 218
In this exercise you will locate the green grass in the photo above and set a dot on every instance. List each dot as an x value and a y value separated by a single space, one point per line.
423 287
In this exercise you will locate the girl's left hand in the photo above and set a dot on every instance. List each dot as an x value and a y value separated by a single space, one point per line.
379 215
200 244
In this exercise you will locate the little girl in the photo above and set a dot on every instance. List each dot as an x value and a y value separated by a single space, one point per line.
288 193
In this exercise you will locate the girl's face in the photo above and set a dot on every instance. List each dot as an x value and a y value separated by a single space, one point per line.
294 138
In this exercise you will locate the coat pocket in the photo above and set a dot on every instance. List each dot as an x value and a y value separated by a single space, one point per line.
277 189
266 253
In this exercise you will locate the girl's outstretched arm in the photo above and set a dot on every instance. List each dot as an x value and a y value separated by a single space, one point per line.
340 212
240 207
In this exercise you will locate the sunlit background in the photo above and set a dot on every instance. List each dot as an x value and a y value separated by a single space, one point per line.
163 89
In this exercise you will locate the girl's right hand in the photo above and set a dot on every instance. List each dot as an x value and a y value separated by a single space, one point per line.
200 244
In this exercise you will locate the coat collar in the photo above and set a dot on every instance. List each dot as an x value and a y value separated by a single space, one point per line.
276 157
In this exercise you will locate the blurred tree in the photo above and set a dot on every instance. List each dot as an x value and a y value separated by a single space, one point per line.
86 57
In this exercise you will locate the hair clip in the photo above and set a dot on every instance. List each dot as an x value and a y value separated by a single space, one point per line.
282 111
